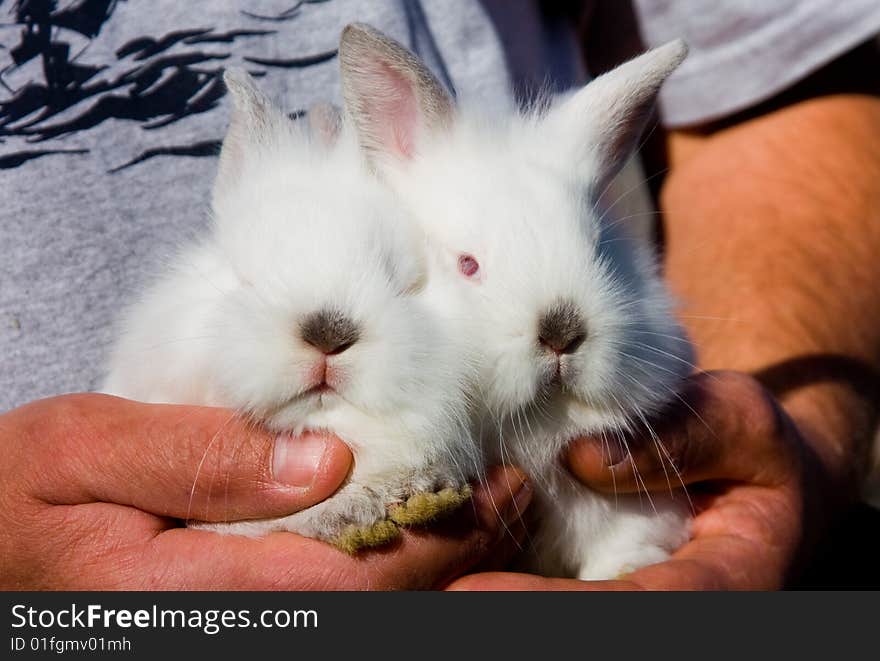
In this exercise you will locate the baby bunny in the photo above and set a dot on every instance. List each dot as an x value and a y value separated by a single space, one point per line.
303 308
578 335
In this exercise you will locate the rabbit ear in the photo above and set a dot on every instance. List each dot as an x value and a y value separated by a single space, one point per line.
254 125
391 96
325 122
603 121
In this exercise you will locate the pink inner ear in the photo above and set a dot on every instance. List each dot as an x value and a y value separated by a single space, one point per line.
394 111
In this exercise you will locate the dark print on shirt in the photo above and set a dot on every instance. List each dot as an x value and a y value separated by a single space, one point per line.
49 90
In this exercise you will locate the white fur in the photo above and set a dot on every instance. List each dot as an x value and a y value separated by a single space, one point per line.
518 192
299 226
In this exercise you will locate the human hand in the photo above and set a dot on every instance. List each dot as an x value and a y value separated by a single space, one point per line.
754 483
94 488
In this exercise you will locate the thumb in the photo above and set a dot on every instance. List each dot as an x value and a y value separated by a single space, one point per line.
178 461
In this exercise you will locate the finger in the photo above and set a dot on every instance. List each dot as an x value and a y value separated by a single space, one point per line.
727 427
285 561
510 582
514 542
175 461
93 546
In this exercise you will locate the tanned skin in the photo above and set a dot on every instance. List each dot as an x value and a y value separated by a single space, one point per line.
96 489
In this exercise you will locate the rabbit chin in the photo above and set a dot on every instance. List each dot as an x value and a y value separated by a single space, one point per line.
536 434
319 409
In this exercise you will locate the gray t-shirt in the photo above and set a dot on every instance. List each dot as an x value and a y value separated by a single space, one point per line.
746 51
111 113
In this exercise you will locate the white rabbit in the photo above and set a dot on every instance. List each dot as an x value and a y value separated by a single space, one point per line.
303 308
578 334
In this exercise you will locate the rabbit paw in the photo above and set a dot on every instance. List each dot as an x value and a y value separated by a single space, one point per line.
427 507
359 517
353 519
354 538
420 498
428 495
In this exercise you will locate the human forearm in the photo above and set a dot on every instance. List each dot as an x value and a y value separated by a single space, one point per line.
772 235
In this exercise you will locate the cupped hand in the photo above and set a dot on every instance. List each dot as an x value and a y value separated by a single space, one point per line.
757 489
95 489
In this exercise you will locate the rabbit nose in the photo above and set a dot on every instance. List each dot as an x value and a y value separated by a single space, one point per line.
330 331
561 329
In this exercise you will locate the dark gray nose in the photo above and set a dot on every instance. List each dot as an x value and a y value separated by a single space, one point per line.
561 328
330 331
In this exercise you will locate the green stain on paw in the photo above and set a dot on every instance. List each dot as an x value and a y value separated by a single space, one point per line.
423 508
354 539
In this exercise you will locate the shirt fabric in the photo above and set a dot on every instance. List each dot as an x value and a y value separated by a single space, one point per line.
743 52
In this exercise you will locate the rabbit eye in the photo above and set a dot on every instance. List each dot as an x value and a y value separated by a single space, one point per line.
468 266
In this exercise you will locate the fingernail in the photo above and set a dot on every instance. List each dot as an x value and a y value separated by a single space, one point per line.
520 502
296 459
